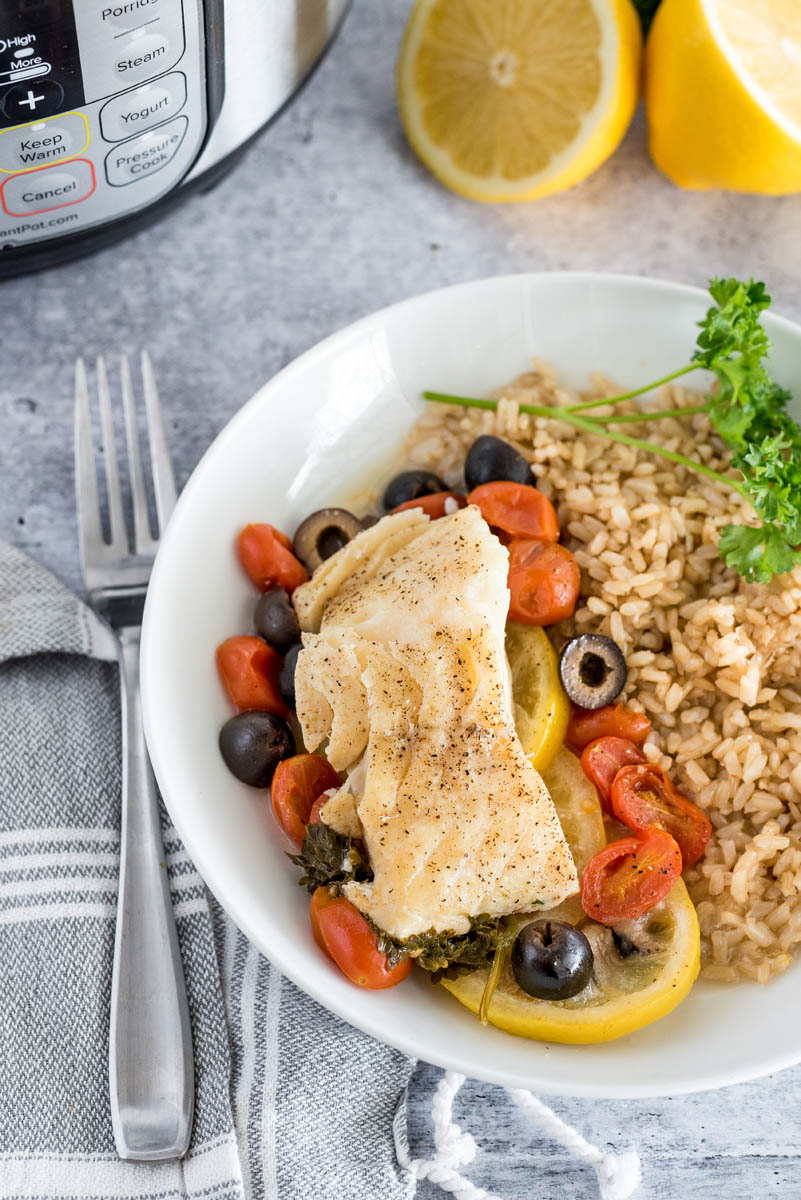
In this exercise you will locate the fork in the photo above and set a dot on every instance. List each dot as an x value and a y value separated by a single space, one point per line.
151 1077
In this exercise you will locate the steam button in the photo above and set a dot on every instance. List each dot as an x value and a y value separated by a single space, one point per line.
141 57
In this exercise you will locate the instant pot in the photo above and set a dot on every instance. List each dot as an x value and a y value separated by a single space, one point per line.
113 110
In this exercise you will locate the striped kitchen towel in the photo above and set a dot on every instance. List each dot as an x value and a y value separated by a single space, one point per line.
290 1102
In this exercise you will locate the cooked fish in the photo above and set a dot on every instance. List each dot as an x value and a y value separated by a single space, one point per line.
403 669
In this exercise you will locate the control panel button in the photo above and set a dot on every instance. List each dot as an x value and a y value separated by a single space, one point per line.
143 156
130 14
143 108
41 142
141 57
39 98
46 189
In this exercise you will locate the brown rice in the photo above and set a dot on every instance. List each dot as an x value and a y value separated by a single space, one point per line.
714 662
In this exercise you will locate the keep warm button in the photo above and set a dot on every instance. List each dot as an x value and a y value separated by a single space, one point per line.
145 155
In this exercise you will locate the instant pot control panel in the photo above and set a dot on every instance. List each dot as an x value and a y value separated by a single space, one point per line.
102 110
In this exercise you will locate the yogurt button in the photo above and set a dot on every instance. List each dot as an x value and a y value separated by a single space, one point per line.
143 108
141 58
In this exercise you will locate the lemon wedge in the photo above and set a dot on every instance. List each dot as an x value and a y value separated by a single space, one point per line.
515 99
723 95
541 706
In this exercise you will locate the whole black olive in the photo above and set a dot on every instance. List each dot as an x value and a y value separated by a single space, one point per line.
551 960
275 620
593 670
411 485
286 676
491 458
322 534
253 744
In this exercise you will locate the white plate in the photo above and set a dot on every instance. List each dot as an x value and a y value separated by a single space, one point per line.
305 438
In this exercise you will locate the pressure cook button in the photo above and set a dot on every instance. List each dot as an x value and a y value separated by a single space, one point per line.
43 142
141 57
143 156
39 98
141 109
46 189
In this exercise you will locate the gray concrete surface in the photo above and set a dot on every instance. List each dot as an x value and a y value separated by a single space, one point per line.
328 218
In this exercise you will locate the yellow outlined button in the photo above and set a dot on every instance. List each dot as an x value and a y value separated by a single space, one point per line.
39 143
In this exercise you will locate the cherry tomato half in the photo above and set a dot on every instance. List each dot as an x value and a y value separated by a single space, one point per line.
544 581
628 877
436 504
613 720
517 509
602 760
342 932
644 797
297 784
266 554
249 670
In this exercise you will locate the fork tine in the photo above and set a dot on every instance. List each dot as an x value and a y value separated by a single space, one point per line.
163 482
90 534
143 542
118 535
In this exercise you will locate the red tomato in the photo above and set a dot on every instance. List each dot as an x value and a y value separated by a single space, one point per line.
266 554
517 509
249 670
602 760
314 813
628 877
643 797
614 720
434 504
297 784
543 580
342 932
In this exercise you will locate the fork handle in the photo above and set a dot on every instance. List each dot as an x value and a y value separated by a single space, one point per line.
151 1075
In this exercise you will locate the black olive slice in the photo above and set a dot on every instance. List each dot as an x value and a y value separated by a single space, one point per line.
593 670
551 960
491 458
322 534
411 485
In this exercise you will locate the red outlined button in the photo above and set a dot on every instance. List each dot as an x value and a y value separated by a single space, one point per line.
48 188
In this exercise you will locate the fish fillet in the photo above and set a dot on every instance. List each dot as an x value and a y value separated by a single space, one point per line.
403 669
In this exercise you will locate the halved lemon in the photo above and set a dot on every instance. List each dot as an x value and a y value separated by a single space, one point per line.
643 969
541 706
514 99
723 94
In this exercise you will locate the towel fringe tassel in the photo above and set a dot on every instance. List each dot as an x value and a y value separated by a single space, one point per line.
619 1175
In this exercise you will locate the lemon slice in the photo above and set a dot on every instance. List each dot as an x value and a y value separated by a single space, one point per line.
541 706
654 973
640 975
514 99
723 94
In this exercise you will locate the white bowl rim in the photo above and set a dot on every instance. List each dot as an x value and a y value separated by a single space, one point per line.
406 1042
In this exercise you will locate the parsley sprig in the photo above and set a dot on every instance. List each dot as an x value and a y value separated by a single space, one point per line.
747 411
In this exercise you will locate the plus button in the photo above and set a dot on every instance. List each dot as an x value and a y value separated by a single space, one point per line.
31 101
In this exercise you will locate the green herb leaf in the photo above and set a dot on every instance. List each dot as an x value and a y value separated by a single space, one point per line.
330 860
747 412
445 953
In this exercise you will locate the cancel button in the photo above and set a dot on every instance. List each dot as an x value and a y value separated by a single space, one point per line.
143 156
